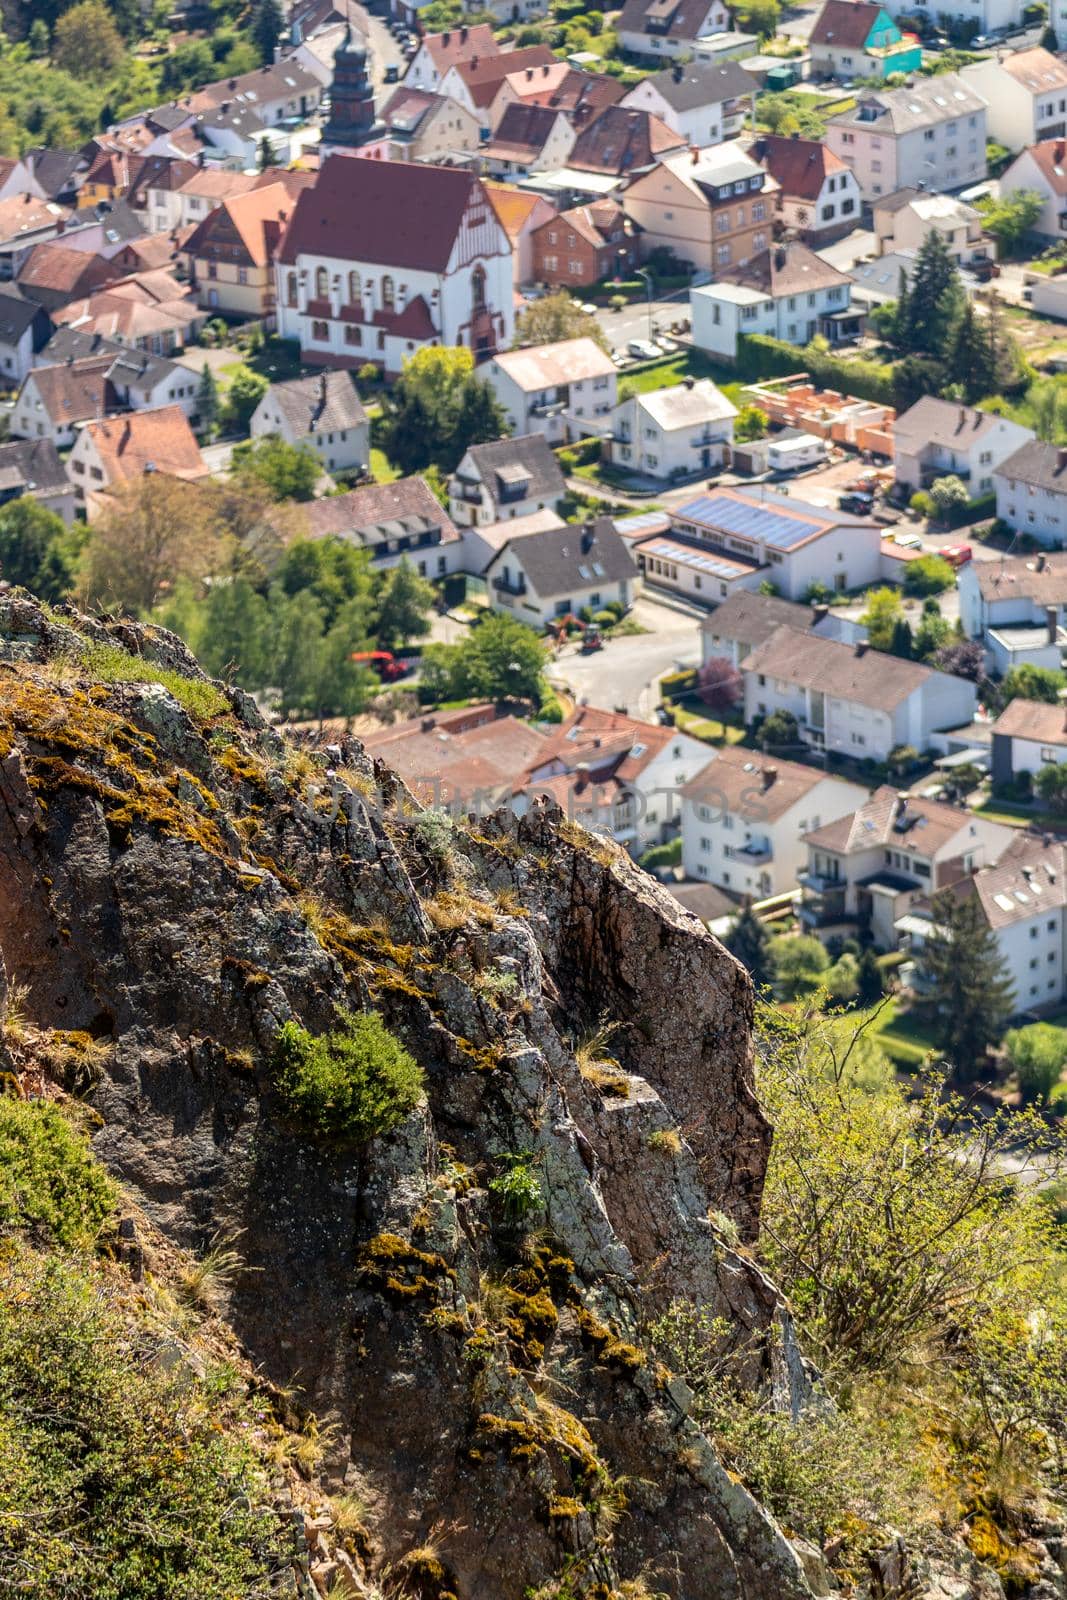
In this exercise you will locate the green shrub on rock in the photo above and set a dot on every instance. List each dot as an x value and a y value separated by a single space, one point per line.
354 1083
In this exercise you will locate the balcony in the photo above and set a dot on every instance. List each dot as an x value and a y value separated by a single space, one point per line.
548 408
705 441
755 851
512 586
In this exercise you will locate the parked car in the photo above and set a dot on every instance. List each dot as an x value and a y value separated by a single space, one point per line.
908 541
957 554
619 357
643 350
392 73
859 503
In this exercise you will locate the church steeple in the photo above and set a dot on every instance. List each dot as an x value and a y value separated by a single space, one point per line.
351 94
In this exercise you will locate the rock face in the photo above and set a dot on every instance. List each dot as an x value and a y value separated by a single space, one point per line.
176 881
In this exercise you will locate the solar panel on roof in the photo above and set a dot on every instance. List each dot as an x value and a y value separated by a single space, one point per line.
706 561
756 519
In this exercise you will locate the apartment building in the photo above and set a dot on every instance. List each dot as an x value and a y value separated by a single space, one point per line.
929 135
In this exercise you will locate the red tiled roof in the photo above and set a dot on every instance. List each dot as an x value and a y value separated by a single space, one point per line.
845 23
58 268
255 220
460 44
483 75
800 166
623 140
522 131
156 441
1050 158
392 213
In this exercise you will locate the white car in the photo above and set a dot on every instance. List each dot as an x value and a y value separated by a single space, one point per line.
908 541
643 350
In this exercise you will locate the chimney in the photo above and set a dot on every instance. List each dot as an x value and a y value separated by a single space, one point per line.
446 36
818 612
428 723
588 537
779 257
677 72
1052 624
696 156
529 74
1040 564
689 382
861 647
767 777
462 35
581 776
474 62
1061 460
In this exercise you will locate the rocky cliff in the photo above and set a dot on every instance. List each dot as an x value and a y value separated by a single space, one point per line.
178 884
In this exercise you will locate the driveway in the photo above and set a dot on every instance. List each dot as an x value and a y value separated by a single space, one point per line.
625 672
622 326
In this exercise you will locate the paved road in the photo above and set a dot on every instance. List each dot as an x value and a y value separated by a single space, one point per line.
625 671
633 323
384 52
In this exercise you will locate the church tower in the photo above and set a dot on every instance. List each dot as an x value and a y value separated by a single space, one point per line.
351 96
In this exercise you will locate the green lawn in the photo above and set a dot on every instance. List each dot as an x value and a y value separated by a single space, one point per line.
674 368
382 469
905 1038
1018 816
708 728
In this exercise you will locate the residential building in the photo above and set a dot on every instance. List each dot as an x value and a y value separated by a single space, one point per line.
552 574
612 772
54 401
521 214
562 391
1026 92
704 102
903 220
857 39
1023 897
1042 170
931 134
581 96
512 478
746 618
438 52
732 539
323 412
284 90
1015 591
786 291
119 450
744 817
713 208
17 177
818 196
422 126
480 542
987 17
394 522
25 328
1027 736
528 138
866 870
1049 297
54 274
465 760
231 254
476 81
1031 488
938 437
673 433
32 467
383 258
26 221
151 311
195 195
581 246
669 29
623 143
851 699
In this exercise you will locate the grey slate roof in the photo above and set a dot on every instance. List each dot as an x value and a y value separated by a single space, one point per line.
528 459
31 466
17 313
570 558
924 104
140 368
327 402
1043 465
752 618
702 83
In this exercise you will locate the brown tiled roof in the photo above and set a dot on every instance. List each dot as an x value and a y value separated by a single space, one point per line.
1041 579
927 826
608 743
582 95
704 900
751 618
686 18
735 777
845 23
1033 719
483 75
1037 462
540 366
521 132
392 213
24 214
867 677
254 220
514 207
942 422
409 104
800 166
623 140
58 269
460 44
1037 70
358 515
493 756
75 391
785 269
595 223
154 441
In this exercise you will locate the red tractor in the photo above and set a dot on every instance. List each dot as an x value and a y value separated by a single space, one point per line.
384 663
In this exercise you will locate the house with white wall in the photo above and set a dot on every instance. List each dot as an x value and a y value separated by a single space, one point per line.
744 817
562 391
786 291
936 437
1028 735
987 16
705 101
609 771
850 699
931 134
859 39
1031 489
866 870
323 412
903 220
1042 169
381 259
669 29
1023 898
1026 92
1015 591
506 480
818 196
438 52
673 433
539 577
736 626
